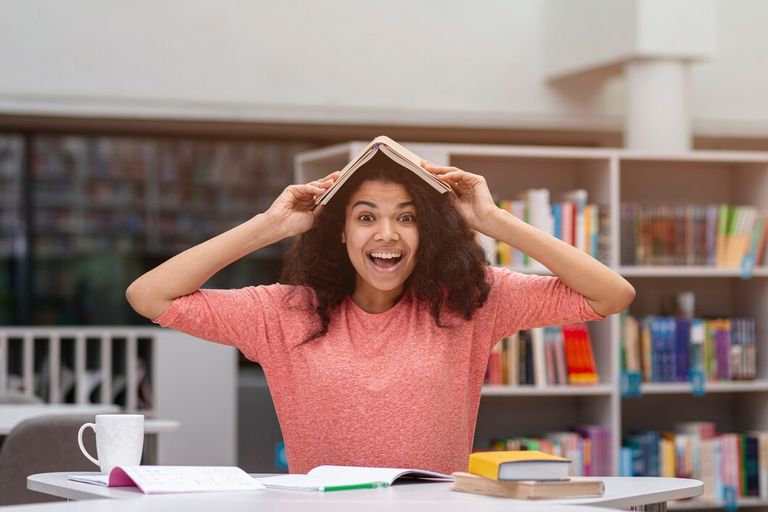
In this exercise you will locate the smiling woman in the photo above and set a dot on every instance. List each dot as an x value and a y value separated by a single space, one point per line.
387 313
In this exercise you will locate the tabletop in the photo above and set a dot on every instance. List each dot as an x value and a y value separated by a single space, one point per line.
319 502
13 414
620 492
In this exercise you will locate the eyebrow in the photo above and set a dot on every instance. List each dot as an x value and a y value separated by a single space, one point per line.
373 205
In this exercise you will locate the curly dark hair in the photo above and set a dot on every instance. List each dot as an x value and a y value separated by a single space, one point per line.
450 264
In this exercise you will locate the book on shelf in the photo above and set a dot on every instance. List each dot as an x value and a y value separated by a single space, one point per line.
333 478
527 489
518 465
715 235
173 479
695 450
383 145
670 349
572 220
544 356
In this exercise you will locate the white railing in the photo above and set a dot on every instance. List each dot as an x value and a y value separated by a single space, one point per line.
67 364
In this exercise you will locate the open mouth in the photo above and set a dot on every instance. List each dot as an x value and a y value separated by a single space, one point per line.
385 260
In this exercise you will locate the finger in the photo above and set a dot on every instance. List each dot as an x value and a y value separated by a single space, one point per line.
333 176
307 190
455 177
438 169
321 183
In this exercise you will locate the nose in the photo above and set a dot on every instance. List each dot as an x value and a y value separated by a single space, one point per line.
386 231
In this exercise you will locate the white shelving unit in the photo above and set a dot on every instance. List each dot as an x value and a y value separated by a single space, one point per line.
612 176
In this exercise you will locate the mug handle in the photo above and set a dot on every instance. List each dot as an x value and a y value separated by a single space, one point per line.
80 441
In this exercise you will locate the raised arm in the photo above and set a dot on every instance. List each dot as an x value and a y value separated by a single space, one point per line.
605 290
291 213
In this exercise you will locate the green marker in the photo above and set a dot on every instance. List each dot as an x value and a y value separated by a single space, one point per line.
368 485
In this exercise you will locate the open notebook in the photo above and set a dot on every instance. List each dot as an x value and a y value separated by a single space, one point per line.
167 479
337 478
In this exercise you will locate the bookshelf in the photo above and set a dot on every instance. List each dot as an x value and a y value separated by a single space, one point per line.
612 177
82 215
11 229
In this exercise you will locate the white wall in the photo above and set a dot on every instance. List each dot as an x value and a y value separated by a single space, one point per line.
412 62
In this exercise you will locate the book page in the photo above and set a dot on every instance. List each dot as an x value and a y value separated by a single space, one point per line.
347 475
334 476
392 150
163 479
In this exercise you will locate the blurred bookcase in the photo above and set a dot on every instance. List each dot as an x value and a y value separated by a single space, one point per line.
612 177
82 215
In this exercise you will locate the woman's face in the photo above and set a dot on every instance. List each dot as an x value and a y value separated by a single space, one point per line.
381 238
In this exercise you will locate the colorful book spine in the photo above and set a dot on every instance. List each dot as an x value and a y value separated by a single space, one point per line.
546 356
573 220
667 349
586 446
737 461
727 236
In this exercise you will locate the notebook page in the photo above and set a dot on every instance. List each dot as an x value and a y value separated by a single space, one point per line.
163 479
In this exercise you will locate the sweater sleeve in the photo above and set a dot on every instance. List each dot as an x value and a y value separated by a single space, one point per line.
527 301
247 318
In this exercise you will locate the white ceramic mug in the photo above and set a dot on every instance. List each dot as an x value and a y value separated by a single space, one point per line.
119 440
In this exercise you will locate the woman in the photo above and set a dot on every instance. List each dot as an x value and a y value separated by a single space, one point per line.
376 348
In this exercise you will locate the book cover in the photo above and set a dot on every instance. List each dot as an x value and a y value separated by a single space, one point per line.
396 152
518 465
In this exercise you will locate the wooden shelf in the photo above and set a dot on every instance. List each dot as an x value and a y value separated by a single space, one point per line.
680 271
684 388
598 390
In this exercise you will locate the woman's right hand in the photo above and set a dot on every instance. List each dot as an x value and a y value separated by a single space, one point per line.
294 211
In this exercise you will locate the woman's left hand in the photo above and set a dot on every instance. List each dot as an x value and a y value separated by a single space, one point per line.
473 199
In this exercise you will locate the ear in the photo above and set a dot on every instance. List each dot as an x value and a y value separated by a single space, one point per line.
343 238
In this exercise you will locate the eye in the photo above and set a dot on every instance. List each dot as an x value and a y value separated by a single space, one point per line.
365 217
407 218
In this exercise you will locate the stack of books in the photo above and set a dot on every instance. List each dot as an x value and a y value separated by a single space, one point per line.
527 474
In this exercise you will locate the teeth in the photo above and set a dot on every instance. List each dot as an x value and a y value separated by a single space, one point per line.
386 255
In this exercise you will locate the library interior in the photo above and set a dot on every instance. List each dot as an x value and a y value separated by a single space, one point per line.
634 131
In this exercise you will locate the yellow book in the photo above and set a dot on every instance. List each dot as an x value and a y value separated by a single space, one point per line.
519 465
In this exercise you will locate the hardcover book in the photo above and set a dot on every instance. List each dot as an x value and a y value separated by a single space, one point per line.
394 151
519 465
527 489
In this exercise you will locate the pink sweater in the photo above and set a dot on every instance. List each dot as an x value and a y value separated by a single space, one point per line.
389 389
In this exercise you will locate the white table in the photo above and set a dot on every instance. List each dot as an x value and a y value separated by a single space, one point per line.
620 492
386 500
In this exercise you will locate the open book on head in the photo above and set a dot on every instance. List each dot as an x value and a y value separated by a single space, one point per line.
396 152
167 479
340 478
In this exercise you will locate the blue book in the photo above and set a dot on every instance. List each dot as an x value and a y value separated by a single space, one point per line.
557 217
682 348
